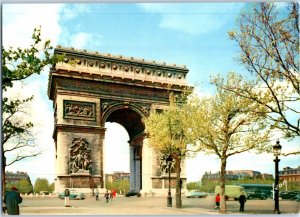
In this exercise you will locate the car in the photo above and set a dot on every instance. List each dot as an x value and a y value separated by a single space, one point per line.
196 194
132 193
297 197
288 194
256 195
74 195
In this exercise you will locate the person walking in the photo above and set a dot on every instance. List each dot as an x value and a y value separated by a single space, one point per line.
12 199
242 200
97 194
217 200
106 195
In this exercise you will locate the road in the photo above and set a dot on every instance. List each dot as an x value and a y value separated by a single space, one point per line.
146 206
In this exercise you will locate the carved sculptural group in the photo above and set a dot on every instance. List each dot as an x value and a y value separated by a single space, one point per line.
80 156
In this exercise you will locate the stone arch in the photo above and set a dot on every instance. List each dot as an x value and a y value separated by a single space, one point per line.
90 88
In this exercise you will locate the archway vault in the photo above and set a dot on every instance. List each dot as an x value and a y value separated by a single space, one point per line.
129 116
89 89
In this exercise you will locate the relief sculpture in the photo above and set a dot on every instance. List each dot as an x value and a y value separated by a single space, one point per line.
79 110
80 156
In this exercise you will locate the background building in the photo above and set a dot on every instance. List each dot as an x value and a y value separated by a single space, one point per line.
13 178
290 174
117 176
236 175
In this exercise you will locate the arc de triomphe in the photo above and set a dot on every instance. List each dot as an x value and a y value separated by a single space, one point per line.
91 88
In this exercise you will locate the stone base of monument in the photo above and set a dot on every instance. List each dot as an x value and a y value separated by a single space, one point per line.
79 180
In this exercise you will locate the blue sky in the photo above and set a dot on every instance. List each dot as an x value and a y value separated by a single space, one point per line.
192 34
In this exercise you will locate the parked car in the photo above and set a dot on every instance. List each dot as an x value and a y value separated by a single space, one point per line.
288 194
297 197
132 193
196 194
74 195
256 195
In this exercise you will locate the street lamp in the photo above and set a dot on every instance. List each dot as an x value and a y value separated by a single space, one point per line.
276 152
169 198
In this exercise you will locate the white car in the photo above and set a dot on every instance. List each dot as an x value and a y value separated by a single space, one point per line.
196 194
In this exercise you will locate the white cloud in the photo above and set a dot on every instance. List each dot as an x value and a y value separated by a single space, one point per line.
193 19
74 10
19 21
81 40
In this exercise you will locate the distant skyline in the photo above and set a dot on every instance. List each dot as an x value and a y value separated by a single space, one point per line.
191 34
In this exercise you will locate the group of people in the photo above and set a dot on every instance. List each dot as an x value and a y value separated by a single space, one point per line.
108 195
242 201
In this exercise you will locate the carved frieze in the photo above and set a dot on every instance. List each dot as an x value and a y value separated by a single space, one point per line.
80 160
113 89
79 110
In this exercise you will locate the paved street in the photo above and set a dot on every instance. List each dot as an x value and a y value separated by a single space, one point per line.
146 206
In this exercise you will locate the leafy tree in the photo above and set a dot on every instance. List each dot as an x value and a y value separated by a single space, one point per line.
18 64
168 132
51 187
269 49
193 185
25 186
225 125
41 184
120 185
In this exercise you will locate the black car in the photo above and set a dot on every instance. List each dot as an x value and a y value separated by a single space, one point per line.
256 195
288 195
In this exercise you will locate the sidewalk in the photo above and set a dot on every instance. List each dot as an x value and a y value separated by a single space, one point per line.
109 211
148 206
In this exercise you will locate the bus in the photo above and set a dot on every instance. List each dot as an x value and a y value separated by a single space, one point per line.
258 189
231 191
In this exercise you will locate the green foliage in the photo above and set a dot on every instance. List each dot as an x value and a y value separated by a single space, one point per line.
51 187
169 133
24 186
269 48
41 184
292 186
193 185
225 125
20 63
120 185
169 130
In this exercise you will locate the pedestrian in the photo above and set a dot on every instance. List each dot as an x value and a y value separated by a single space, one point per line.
242 200
106 195
12 199
217 199
97 194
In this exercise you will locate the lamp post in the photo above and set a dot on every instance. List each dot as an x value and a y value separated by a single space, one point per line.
169 198
276 152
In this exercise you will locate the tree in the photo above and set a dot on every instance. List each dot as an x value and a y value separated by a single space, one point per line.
225 125
269 49
51 187
25 186
119 185
168 133
18 64
41 184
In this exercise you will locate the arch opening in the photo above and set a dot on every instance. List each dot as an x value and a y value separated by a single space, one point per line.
131 121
